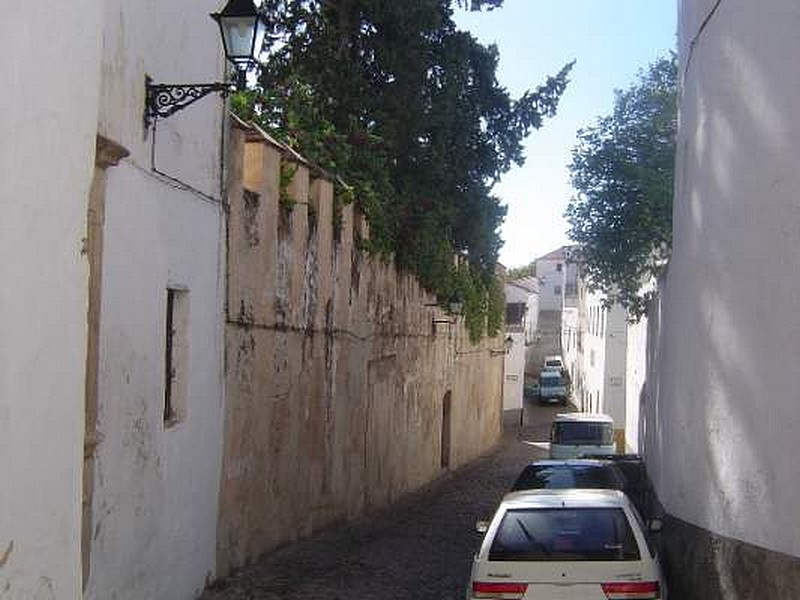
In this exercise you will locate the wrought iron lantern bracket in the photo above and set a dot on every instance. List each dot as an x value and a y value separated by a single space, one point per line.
163 100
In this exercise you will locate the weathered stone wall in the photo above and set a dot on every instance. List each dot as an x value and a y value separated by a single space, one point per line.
341 386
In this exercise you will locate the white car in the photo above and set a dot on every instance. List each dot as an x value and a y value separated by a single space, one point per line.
566 544
553 361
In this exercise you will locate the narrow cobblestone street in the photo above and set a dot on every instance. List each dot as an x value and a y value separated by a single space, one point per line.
421 547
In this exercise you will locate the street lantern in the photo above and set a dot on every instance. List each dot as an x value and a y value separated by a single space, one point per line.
455 304
508 343
243 30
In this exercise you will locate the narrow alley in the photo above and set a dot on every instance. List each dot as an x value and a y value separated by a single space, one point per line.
421 547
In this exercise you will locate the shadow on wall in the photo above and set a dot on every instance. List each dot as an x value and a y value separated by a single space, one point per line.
721 411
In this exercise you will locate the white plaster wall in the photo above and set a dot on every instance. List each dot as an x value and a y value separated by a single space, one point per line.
155 501
47 124
514 373
635 378
532 318
723 421
593 343
615 333
156 489
569 342
550 278
172 42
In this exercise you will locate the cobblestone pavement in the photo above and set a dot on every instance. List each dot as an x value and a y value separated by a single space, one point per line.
421 547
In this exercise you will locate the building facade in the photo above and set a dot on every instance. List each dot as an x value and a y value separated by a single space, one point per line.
557 276
522 317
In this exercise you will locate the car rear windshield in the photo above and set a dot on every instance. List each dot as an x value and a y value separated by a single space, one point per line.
556 477
552 363
582 433
564 534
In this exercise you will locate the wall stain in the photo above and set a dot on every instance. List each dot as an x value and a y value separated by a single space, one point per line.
7 554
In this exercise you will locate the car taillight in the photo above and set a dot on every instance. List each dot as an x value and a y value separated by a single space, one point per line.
504 590
638 590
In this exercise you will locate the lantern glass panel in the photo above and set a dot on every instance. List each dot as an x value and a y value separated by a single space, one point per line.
238 35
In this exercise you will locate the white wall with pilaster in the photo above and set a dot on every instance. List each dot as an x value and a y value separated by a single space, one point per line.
156 484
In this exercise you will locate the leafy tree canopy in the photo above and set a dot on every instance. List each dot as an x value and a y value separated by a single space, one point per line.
407 110
521 272
623 169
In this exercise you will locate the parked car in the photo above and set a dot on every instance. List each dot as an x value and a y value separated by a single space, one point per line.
552 361
569 474
573 435
552 387
556 544
637 484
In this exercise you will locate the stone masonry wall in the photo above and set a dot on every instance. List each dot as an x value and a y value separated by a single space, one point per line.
346 386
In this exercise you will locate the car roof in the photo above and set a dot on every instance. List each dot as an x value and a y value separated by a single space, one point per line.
552 356
572 462
569 498
582 417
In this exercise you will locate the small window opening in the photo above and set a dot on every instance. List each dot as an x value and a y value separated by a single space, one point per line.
175 355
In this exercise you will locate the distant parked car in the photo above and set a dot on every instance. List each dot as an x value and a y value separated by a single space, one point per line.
569 474
552 362
556 544
552 387
573 435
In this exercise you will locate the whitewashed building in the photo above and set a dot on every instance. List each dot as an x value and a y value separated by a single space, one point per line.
522 314
110 378
722 417
606 356
558 278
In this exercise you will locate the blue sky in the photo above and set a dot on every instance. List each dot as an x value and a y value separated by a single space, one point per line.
611 41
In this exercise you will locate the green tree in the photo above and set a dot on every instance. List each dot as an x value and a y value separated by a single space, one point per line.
407 110
623 169
520 272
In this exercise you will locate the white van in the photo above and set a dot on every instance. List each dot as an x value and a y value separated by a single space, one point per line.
573 435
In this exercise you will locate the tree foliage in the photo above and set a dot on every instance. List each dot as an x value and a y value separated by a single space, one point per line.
407 110
521 272
623 169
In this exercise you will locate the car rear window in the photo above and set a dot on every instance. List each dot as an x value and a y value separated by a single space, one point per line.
552 363
555 477
582 433
550 380
564 534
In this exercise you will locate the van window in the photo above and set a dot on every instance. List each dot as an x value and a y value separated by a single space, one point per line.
550 380
582 534
582 433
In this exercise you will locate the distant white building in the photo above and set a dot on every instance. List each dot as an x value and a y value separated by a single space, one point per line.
522 313
557 275
605 354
